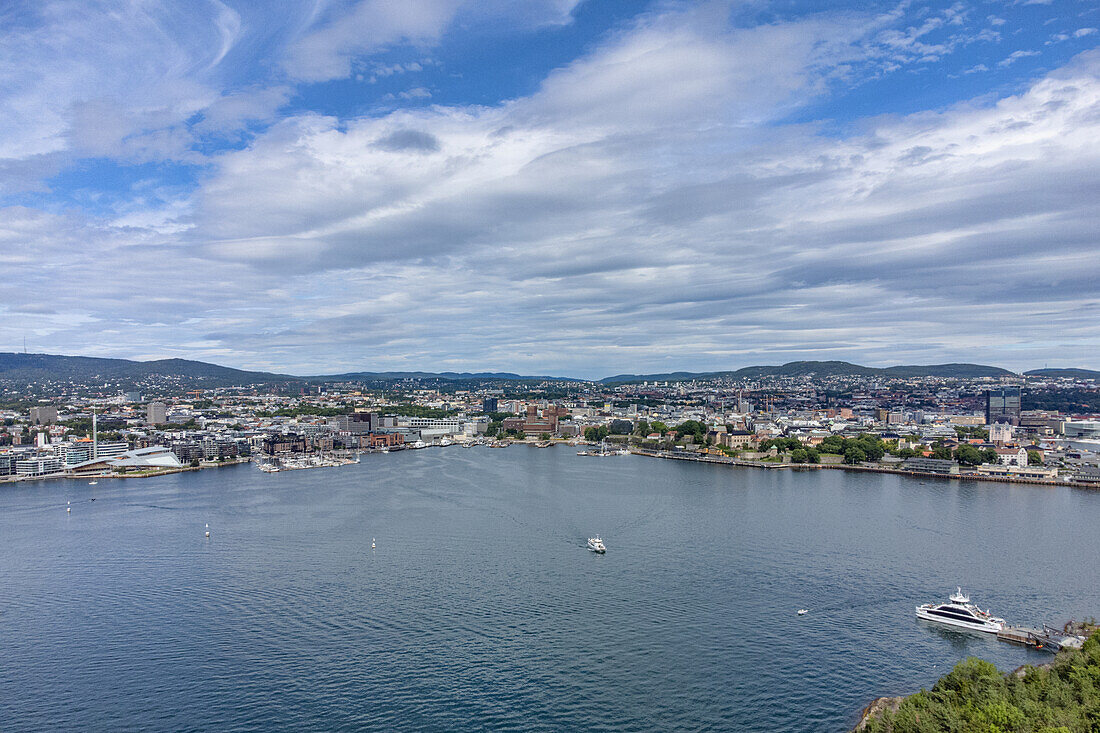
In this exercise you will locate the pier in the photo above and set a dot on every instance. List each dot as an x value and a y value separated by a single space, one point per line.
1046 638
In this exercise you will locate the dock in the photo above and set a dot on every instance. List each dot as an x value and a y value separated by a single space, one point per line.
1020 635
1045 638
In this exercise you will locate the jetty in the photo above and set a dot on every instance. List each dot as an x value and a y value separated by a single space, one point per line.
1047 638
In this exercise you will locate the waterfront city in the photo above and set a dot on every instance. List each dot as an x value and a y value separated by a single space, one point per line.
550 365
1040 428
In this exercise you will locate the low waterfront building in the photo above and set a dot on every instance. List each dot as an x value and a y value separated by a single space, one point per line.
1089 429
1088 475
142 459
38 466
931 465
1037 473
385 440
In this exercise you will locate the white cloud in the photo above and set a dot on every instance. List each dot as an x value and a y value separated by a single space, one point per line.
545 232
108 83
1016 56
647 207
345 31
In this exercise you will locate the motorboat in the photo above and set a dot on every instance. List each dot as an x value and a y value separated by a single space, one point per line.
961 613
596 545
803 611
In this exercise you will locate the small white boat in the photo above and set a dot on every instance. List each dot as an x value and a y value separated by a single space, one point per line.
596 545
92 483
803 611
961 613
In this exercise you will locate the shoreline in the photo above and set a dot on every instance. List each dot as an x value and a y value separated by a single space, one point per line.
670 455
648 453
134 475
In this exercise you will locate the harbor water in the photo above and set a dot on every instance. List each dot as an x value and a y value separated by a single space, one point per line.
480 608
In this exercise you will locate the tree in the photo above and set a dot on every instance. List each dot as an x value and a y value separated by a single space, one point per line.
595 434
854 454
642 428
658 427
694 428
1034 458
781 444
968 455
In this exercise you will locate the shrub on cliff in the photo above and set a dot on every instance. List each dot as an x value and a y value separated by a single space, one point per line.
1062 697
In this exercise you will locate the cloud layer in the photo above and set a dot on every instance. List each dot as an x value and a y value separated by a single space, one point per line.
660 201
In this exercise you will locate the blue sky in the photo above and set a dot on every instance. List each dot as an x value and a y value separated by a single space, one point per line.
551 185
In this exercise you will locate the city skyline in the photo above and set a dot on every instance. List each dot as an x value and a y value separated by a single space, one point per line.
552 187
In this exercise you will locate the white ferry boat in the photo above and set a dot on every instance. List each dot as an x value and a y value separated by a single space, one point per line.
960 612
596 545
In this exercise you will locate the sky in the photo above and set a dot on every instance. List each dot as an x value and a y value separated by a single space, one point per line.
574 187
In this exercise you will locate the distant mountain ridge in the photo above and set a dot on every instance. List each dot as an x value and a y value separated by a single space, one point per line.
15 367
52 367
823 369
453 376
1071 373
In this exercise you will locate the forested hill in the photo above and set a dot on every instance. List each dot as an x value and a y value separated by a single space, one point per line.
51 368
823 369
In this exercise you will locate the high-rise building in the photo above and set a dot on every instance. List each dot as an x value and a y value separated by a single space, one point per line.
1002 405
489 404
157 413
43 415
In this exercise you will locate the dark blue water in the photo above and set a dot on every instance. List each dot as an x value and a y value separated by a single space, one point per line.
480 607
